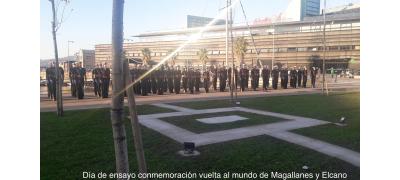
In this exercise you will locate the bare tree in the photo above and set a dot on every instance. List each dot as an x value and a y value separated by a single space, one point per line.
55 25
117 106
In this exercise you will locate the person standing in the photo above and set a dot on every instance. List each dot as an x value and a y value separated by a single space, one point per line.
170 79
242 79
80 79
222 78
50 78
255 78
275 77
305 73
313 75
106 76
265 74
299 76
246 76
191 80
185 79
214 72
206 79
72 78
197 79
177 80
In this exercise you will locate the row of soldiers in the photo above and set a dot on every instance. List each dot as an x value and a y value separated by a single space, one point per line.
298 77
101 76
171 79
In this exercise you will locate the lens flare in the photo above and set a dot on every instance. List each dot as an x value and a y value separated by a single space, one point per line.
192 38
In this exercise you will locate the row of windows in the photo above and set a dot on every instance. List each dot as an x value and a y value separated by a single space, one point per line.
253 51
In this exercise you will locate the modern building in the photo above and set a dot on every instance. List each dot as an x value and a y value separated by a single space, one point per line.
295 43
197 21
87 57
297 10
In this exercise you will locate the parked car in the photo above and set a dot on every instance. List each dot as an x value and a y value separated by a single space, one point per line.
43 82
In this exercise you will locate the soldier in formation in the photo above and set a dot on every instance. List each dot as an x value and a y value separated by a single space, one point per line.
265 74
170 79
223 75
78 79
51 77
255 78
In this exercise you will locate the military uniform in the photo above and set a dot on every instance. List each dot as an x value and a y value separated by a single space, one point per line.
153 82
265 73
80 76
305 73
255 78
145 83
106 76
170 79
293 78
246 77
275 77
197 80
177 80
285 76
50 78
242 79
206 80
191 80
214 77
185 80
72 79
223 75
313 74
299 77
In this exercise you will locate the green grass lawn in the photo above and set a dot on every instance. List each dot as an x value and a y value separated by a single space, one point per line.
190 123
329 108
82 141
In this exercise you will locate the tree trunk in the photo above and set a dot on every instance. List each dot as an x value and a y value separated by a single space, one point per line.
60 110
137 135
119 134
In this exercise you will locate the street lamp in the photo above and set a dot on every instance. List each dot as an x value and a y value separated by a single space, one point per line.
68 49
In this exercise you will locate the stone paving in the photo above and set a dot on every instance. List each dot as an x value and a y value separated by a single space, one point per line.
278 130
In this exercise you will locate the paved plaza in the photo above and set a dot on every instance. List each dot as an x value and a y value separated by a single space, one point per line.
279 130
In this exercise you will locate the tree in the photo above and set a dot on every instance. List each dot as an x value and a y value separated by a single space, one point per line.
203 57
117 103
146 55
173 58
240 48
55 25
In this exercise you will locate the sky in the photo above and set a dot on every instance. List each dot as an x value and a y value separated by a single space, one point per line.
88 22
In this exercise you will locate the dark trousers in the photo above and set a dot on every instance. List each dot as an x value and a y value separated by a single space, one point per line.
184 84
170 85
313 81
214 83
104 88
275 83
206 85
177 85
299 81
73 88
304 81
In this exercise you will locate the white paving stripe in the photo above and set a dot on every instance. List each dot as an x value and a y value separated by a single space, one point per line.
221 119
278 130
344 154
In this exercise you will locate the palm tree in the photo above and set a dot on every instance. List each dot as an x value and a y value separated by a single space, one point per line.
240 48
203 57
146 55
173 58
117 103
